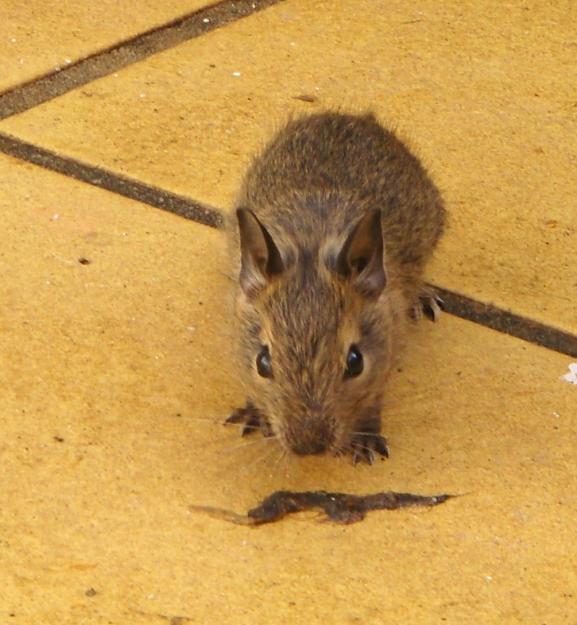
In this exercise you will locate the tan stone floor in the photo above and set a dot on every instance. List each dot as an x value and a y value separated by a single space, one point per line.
116 372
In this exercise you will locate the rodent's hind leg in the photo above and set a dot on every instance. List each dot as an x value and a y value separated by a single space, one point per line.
251 419
428 304
366 442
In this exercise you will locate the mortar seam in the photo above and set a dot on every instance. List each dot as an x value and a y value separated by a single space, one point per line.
455 303
36 91
116 183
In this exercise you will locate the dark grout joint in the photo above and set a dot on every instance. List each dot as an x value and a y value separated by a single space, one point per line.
37 91
508 322
99 177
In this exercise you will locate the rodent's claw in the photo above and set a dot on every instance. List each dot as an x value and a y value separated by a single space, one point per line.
432 307
366 448
251 420
428 304
247 417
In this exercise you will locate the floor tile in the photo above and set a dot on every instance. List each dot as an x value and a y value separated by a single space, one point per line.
46 35
484 92
117 367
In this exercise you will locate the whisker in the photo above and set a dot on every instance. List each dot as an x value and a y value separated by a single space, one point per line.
342 455
260 440
433 388
287 464
246 426
281 456
413 399
228 275
240 443
216 420
389 444
207 444
259 459
404 449
234 462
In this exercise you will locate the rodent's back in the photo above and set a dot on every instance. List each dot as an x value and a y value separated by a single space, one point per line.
324 171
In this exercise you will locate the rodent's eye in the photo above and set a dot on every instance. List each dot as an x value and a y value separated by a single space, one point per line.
263 363
354 362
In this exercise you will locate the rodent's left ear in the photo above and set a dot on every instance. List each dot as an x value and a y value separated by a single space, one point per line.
260 257
361 257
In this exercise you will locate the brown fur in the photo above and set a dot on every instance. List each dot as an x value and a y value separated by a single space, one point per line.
308 189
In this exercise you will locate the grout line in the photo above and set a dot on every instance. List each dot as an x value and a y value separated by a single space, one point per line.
454 303
110 60
508 322
141 46
99 177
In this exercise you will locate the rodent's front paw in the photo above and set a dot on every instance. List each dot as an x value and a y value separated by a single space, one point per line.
251 419
368 447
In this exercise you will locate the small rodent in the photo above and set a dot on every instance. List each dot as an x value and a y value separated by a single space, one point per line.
335 222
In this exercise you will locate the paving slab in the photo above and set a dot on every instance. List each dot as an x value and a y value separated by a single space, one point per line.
44 36
116 369
483 91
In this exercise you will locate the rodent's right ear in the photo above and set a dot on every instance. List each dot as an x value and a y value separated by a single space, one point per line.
361 257
260 258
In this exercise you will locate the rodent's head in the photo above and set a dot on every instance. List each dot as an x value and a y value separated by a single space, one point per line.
317 331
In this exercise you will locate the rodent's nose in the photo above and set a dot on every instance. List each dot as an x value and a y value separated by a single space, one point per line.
309 448
310 435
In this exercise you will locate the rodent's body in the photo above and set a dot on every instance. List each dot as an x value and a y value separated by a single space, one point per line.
337 220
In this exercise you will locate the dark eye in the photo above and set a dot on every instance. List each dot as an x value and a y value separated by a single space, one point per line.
263 363
354 362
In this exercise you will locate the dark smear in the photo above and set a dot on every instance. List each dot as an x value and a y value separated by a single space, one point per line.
90 592
59 439
84 261
338 507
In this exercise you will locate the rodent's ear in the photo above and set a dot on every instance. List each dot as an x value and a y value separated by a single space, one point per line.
361 257
260 257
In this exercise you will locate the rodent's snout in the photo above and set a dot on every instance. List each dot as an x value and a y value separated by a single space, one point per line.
310 437
309 448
